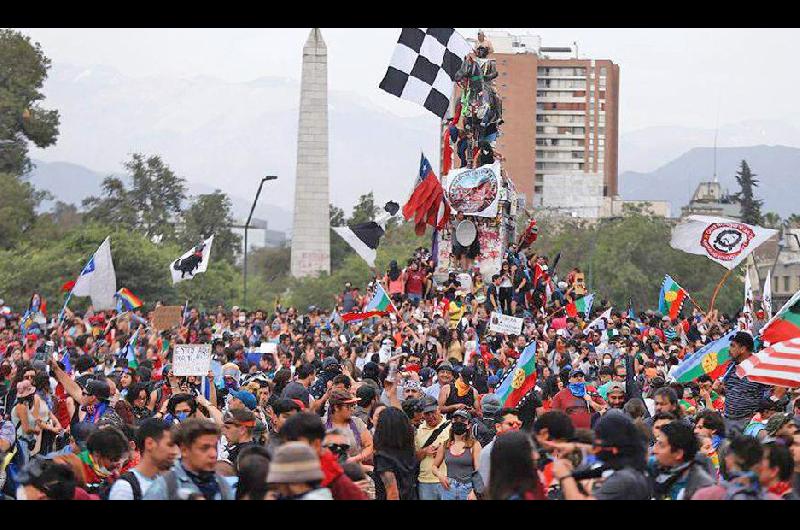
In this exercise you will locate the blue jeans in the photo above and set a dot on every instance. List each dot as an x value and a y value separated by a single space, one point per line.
414 298
429 491
458 491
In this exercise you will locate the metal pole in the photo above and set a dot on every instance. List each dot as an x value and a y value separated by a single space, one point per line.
246 228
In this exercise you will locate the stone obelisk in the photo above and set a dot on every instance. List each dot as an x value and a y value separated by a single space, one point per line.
311 243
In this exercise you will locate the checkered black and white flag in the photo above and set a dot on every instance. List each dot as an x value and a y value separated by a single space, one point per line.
423 66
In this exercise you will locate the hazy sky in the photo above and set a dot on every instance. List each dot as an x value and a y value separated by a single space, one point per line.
668 76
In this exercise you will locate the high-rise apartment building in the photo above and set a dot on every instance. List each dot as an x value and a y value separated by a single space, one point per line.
560 113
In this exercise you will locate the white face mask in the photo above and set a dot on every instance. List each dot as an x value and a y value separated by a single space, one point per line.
21 496
606 362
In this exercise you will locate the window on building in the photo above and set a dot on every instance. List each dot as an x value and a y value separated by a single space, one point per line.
786 284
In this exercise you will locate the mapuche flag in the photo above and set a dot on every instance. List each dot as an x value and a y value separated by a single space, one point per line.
380 305
581 305
521 380
427 204
712 360
785 324
671 297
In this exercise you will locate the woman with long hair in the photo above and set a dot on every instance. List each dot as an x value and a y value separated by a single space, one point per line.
396 465
454 346
395 281
461 454
513 463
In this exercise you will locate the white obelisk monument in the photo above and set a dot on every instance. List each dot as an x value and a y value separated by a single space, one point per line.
311 243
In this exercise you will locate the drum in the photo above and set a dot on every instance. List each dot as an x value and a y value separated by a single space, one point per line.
466 232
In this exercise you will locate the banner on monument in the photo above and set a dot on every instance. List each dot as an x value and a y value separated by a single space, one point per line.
507 325
191 359
475 191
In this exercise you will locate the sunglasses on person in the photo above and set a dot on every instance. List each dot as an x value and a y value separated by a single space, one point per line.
339 449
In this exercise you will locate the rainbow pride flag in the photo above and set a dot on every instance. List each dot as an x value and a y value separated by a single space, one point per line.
520 380
128 300
712 359
380 305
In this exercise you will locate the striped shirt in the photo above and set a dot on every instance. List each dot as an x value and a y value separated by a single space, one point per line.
741 395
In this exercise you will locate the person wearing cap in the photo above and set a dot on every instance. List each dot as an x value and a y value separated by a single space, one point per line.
484 428
780 425
460 394
296 474
340 416
579 402
237 427
461 456
619 445
24 416
444 376
742 396
94 400
242 399
194 476
430 435
616 395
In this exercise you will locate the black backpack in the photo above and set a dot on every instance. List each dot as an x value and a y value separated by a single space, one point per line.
130 478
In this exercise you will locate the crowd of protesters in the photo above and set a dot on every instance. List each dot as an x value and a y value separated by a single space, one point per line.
401 406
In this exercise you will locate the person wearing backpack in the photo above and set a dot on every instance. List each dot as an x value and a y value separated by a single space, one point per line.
159 451
194 475
434 431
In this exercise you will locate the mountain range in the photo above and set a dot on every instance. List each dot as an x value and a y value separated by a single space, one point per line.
777 168
226 135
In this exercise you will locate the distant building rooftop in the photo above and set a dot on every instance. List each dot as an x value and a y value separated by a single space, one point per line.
710 199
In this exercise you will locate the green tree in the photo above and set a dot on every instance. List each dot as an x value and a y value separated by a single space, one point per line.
793 221
209 214
152 204
23 70
337 216
18 203
364 210
771 220
750 206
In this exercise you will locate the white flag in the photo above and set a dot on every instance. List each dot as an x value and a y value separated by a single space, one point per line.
194 261
722 240
98 278
766 297
746 320
599 320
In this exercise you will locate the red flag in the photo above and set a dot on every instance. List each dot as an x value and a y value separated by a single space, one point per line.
67 287
447 152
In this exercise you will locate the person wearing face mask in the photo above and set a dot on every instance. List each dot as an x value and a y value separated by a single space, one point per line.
461 454
179 408
621 448
578 401
94 400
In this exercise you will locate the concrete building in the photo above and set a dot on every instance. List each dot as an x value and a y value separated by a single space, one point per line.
581 195
710 199
560 112
780 254
311 246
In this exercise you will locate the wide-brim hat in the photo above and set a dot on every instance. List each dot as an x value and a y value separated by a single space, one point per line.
294 462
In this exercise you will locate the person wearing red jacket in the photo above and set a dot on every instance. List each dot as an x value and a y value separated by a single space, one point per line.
308 427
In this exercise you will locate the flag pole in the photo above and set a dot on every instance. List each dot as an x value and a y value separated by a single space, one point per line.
716 291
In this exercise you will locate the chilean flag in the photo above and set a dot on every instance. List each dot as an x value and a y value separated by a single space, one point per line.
427 204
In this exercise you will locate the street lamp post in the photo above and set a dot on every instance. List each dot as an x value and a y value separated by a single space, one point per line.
246 228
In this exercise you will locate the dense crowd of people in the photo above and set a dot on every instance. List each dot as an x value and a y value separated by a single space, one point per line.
401 406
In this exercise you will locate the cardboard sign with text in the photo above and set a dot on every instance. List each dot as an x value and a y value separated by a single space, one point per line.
167 316
507 325
191 359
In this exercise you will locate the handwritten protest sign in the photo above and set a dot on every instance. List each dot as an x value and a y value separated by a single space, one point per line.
191 359
508 325
167 316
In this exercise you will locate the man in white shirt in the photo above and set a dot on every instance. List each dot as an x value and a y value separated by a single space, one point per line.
158 449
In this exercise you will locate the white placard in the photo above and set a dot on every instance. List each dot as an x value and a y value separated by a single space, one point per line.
191 359
268 347
507 325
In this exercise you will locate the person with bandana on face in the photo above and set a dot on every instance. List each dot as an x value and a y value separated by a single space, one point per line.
106 451
578 401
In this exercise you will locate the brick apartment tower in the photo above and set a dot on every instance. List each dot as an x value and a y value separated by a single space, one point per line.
561 117
311 245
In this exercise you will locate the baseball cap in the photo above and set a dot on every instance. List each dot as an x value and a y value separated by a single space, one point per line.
574 373
245 397
329 362
366 393
294 462
445 366
341 397
462 414
426 374
98 388
615 386
429 404
240 417
776 422
286 405
490 404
